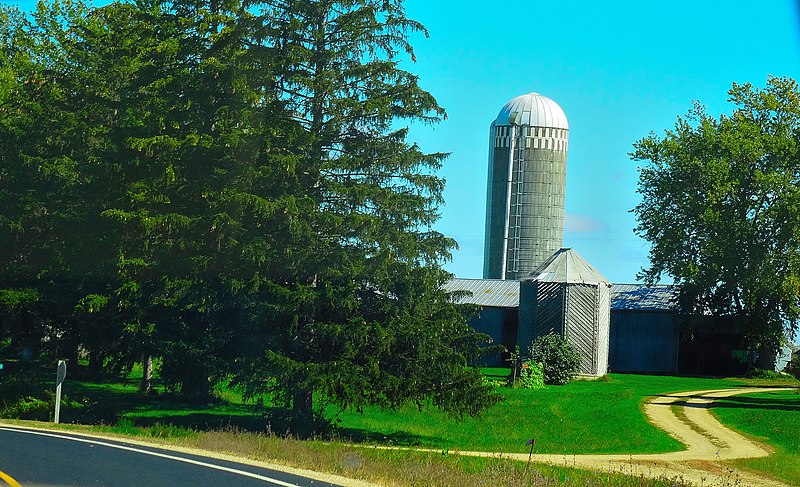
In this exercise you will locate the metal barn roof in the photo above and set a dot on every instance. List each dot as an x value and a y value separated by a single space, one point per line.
659 297
567 266
496 293
533 110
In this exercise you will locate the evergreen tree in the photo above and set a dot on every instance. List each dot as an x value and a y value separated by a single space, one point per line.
359 315
234 196
39 149
185 112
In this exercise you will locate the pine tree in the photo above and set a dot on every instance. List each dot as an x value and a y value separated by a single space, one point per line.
359 316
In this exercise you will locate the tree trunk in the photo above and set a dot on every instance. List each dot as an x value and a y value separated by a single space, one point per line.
146 385
767 356
72 355
303 413
195 384
96 360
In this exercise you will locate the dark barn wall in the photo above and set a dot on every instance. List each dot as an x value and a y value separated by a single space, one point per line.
643 341
501 325
541 312
716 354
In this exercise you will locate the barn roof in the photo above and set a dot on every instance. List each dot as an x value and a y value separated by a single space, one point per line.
498 293
658 297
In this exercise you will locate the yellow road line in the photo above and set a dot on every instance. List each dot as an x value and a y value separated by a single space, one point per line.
8 480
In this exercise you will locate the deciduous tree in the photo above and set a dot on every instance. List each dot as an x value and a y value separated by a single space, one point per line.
721 208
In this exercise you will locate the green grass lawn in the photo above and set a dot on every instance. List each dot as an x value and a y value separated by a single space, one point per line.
581 417
555 416
772 418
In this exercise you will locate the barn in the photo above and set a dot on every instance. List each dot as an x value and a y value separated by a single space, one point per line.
645 333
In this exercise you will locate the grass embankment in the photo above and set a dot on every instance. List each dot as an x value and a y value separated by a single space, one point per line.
771 418
401 468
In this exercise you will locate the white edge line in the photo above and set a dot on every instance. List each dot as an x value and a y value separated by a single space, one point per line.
156 454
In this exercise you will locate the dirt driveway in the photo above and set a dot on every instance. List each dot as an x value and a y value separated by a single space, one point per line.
708 443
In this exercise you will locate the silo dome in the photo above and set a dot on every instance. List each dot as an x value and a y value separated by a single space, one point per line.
533 110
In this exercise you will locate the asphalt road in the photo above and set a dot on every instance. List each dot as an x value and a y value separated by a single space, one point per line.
54 459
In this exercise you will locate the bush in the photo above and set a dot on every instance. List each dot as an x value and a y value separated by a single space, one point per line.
560 361
38 408
767 374
531 375
28 407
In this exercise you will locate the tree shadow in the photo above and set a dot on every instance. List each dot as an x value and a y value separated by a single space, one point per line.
205 422
399 438
777 402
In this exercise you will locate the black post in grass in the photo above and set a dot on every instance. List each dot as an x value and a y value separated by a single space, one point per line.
530 442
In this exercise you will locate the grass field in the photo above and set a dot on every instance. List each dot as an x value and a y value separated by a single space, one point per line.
774 419
555 416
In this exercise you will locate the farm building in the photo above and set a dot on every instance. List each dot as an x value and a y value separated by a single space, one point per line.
567 296
645 334
531 288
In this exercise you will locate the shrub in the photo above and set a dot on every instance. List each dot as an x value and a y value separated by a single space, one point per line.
766 374
560 361
28 407
531 375
37 408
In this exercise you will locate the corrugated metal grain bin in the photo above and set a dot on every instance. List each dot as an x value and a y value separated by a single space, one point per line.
566 295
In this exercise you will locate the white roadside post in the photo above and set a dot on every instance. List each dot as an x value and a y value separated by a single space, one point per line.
61 373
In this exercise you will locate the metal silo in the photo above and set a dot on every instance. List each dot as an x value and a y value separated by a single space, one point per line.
526 185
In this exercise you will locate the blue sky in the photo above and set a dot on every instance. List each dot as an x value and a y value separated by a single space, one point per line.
618 69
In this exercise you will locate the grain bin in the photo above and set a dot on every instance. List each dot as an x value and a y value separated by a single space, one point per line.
566 295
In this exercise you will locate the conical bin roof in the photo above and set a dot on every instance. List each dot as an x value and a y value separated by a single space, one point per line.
566 266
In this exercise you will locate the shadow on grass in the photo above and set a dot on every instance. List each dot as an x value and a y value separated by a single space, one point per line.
109 403
205 422
400 438
778 403
112 403
782 403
